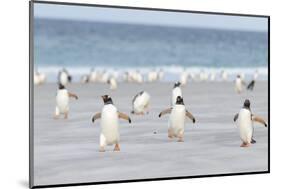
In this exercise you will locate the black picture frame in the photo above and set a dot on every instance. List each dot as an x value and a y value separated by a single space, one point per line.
31 93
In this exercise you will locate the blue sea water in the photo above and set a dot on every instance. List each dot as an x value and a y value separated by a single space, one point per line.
81 45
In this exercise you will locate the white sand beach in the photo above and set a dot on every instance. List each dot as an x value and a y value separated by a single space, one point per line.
67 151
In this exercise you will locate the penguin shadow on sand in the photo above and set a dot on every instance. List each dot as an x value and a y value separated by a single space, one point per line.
109 116
245 120
62 101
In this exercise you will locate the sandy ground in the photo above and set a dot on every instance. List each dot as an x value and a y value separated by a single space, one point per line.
66 151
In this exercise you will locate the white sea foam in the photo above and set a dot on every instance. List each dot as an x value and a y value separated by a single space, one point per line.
171 73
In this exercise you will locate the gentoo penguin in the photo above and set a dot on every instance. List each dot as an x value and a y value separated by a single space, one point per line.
113 83
239 83
176 92
244 120
93 76
39 78
141 103
62 100
109 124
84 79
152 76
251 85
64 77
224 75
213 76
160 74
183 78
177 119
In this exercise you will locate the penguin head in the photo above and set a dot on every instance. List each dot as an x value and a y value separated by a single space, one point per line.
107 99
247 104
179 100
177 84
61 86
238 76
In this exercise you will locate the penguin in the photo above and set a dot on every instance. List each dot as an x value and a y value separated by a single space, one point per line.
85 79
113 83
140 103
224 75
239 83
62 101
39 78
36 78
177 119
109 124
183 78
152 76
251 85
93 76
213 76
176 92
64 77
244 120
160 74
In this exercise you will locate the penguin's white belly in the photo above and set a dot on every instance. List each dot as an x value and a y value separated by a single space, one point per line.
245 126
63 101
110 125
177 119
176 92
141 103
238 86
63 78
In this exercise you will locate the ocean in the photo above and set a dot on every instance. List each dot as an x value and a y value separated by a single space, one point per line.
82 45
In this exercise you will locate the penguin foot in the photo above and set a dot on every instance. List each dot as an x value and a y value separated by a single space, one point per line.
180 140
245 145
101 149
117 148
56 117
253 141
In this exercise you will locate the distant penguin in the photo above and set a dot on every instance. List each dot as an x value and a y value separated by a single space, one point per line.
177 119
84 79
93 76
109 124
138 77
64 77
251 85
224 75
160 74
183 78
113 83
36 78
62 101
239 84
176 92
244 120
140 103
213 76
152 76
39 78
203 76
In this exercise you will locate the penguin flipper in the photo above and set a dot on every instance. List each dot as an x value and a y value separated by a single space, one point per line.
259 119
124 116
167 111
253 141
235 117
188 114
96 116
72 95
